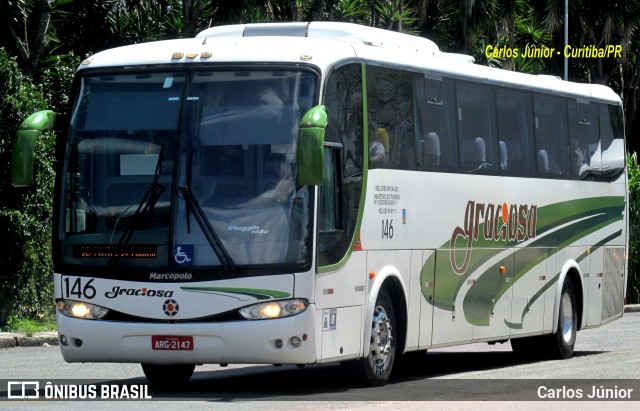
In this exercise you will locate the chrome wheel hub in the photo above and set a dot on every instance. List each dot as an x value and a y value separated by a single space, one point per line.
380 337
566 319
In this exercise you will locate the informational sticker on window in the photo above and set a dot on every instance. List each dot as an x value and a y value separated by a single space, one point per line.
329 319
183 255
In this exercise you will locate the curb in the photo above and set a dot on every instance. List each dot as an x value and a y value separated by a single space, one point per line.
41 339
632 308
49 338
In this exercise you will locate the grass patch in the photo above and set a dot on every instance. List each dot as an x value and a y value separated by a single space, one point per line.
30 327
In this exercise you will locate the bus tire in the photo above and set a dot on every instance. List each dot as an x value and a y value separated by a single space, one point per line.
375 368
168 375
561 344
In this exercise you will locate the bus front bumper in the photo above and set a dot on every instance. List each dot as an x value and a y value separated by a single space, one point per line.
240 342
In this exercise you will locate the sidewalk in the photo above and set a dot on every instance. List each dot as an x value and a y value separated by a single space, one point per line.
48 338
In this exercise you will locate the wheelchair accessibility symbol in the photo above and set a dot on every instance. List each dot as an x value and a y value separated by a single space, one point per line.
183 255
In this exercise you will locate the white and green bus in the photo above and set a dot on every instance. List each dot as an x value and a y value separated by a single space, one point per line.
305 193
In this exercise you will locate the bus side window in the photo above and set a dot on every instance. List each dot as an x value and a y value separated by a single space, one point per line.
428 105
610 156
390 101
583 134
436 146
478 145
552 144
515 131
329 204
339 195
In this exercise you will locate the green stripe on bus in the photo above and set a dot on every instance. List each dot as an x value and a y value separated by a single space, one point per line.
579 217
257 293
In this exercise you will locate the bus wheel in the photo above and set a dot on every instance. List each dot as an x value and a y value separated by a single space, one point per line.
377 365
168 375
561 344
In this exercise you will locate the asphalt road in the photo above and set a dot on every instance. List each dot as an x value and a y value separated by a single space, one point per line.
606 357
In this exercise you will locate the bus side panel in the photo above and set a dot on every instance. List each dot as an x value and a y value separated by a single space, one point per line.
341 333
493 293
415 325
343 287
426 284
450 325
527 314
594 303
553 275
613 283
340 296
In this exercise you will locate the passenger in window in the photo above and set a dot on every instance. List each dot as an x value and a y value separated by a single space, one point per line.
284 187
281 193
151 147
353 122
352 135
156 145
378 149
403 156
578 158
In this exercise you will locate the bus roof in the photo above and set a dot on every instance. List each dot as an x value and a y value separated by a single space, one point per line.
324 44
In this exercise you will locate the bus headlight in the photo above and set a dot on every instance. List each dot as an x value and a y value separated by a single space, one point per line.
274 309
77 309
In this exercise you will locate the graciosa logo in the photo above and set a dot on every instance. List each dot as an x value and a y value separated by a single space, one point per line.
137 292
500 222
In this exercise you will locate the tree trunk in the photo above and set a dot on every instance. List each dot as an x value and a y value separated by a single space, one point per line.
30 52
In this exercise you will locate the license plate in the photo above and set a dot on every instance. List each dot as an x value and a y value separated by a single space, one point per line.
172 342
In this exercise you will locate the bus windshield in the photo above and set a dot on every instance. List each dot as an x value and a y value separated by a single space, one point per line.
186 169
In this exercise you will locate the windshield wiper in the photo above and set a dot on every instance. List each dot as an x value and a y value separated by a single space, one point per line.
193 207
145 207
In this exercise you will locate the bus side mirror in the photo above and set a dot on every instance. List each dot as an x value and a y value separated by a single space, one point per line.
23 147
310 154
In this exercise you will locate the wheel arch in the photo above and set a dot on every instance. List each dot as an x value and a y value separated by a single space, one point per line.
390 279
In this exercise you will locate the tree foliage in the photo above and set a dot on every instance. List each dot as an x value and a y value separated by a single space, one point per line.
633 283
25 217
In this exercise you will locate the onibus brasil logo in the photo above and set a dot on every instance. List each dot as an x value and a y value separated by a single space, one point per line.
492 222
